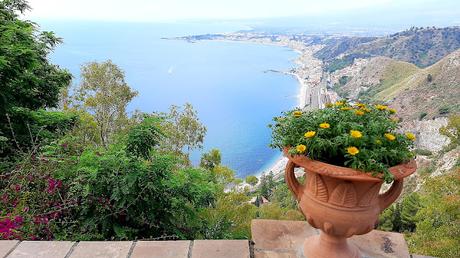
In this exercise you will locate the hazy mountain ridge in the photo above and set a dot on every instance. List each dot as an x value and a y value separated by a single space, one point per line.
420 46
417 92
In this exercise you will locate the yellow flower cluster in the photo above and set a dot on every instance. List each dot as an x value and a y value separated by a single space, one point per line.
390 136
297 113
381 107
339 103
346 108
352 150
301 148
324 125
356 134
310 134
359 112
410 136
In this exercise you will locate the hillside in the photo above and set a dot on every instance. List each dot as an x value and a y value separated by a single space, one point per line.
420 46
429 92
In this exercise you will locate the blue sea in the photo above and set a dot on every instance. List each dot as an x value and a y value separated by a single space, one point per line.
226 82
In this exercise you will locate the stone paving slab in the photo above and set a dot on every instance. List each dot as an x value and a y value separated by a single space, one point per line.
6 246
378 244
41 249
101 249
220 249
161 249
280 239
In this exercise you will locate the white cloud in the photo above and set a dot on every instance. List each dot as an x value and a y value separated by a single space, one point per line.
161 10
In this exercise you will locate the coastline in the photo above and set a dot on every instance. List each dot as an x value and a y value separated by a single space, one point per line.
307 70
313 93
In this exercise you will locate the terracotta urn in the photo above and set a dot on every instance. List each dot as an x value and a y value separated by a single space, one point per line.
341 202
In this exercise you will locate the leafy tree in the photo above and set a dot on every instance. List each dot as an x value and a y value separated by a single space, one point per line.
282 195
29 82
267 185
211 159
229 218
142 138
183 129
438 221
410 206
104 93
252 180
223 175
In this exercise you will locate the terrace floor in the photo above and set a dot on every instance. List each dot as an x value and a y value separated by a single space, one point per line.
270 239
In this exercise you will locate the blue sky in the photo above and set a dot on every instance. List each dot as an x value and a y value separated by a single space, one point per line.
176 10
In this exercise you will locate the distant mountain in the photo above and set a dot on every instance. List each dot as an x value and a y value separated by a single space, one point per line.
420 46
416 92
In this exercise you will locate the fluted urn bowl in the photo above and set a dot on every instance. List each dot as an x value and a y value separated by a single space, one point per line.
341 202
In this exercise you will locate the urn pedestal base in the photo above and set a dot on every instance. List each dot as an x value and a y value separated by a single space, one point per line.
329 246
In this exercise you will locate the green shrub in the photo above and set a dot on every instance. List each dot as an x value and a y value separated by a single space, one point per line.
443 110
438 220
422 115
423 152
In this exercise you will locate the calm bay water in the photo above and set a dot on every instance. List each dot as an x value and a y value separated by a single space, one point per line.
226 82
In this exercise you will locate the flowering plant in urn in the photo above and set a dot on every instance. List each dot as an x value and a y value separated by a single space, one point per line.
347 152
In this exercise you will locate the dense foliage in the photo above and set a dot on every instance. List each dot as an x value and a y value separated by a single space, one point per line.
29 82
88 170
359 136
431 218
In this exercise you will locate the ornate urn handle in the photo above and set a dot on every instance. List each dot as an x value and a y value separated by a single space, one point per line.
386 199
291 180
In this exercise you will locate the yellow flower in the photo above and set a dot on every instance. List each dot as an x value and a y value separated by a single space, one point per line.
359 112
309 134
390 136
410 136
360 105
328 105
356 134
301 148
365 109
381 107
352 150
345 108
339 103
297 113
324 125
392 111
379 142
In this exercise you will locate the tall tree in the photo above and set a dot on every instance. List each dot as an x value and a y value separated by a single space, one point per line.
105 94
211 159
183 129
28 81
